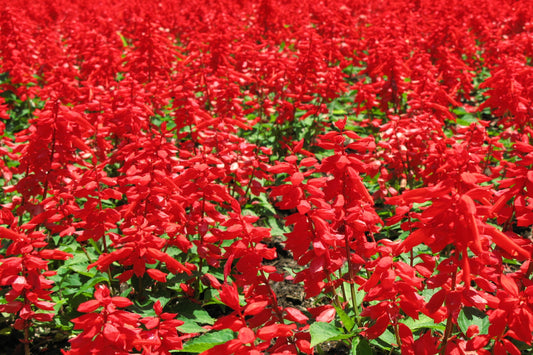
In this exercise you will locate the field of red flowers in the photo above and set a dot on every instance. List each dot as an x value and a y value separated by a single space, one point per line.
266 177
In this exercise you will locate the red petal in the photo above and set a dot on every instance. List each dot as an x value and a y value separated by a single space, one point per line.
378 328
157 275
414 239
53 254
509 285
246 335
467 205
121 301
19 284
111 333
89 306
150 322
255 308
9 234
297 178
47 306
327 315
43 317
506 243
406 337
295 315
158 308
11 307
229 296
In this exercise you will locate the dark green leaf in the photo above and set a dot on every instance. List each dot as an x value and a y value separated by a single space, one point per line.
473 316
361 346
207 341
322 332
189 326
385 340
195 312
423 322
88 287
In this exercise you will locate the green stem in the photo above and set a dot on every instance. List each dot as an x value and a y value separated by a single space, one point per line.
343 287
335 296
351 276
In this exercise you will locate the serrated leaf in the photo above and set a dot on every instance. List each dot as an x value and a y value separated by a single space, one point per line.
361 346
322 332
207 341
473 316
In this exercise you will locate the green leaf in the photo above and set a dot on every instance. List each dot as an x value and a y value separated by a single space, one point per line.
82 269
56 239
207 341
346 320
78 263
201 316
70 284
473 316
385 340
423 322
466 120
275 228
339 112
322 332
511 261
194 312
88 287
95 246
263 202
123 39
127 292
361 346
189 326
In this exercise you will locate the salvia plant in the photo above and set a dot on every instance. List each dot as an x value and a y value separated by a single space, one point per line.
266 177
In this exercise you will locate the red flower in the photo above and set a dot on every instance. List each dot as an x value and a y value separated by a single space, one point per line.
108 330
